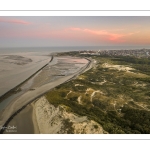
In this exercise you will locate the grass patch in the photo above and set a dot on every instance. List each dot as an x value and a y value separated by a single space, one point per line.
114 109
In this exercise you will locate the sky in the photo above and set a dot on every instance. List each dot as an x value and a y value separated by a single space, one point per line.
45 31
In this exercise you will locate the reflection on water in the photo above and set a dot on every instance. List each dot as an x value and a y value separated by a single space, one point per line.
25 87
60 66
16 68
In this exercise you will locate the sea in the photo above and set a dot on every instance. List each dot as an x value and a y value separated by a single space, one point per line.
19 63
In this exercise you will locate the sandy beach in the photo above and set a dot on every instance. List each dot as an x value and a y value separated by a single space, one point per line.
63 73
23 122
16 68
56 120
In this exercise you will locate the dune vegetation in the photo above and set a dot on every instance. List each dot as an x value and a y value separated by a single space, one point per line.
114 93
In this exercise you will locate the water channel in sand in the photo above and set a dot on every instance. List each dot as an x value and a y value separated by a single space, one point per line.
17 67
60 67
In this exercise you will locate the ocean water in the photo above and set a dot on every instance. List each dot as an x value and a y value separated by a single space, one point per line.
17 64
46 50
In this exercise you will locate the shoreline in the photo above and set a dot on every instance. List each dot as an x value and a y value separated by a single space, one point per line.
23 122
34 119
15 89
42 91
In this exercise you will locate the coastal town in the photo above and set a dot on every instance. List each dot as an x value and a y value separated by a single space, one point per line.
134 52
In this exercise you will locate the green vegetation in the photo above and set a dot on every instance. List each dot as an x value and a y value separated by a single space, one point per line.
67 126
141 64
119 100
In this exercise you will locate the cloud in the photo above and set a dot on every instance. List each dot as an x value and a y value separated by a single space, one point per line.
75 34
114 37
76 29
15 21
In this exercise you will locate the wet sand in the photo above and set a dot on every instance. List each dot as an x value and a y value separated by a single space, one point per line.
34 119
14 69
23 122
26 119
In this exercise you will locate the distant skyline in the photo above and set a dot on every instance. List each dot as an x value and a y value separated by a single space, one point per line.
58 31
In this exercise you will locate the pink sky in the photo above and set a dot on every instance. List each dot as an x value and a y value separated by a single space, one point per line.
74 30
